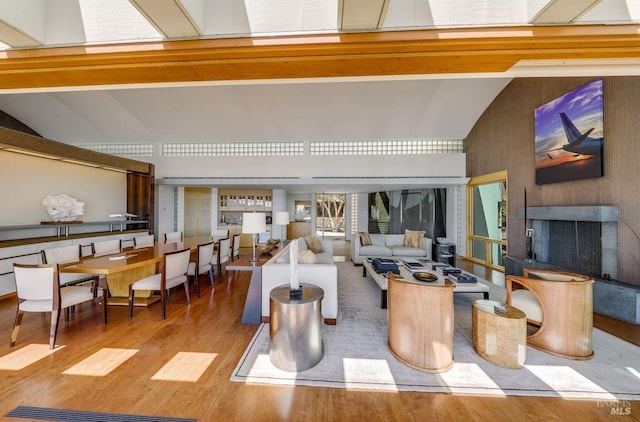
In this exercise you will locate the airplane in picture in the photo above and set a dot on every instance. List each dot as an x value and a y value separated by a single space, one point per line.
579 143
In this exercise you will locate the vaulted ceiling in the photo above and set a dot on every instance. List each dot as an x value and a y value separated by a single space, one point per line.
118 71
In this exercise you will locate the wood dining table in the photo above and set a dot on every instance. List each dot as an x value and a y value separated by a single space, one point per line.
132 264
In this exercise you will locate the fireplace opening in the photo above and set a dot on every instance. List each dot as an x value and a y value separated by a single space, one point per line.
576 245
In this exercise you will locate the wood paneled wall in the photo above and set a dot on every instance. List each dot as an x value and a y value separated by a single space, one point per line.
140 196
503 139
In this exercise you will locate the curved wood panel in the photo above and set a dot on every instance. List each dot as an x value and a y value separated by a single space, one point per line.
567 315
420 317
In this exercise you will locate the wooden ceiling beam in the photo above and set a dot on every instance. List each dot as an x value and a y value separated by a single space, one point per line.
452 51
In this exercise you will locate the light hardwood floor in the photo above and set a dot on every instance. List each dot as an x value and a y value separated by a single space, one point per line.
211 327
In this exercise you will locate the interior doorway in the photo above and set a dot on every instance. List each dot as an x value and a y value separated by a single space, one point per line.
487 219
197 212
330 215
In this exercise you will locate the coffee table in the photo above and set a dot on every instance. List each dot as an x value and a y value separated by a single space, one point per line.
481 286
499 337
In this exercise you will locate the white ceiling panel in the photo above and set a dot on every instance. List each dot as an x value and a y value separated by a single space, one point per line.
402 109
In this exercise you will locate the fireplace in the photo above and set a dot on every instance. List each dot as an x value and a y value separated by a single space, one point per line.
580 238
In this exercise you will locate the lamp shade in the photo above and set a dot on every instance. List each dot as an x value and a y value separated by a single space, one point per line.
254 222
281 218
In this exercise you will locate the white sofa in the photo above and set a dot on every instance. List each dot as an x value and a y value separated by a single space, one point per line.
324 274
387 246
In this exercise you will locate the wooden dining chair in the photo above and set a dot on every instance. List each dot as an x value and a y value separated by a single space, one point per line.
173 237
68 255
106 247
143 241
220 233
38 290
202 265
235 247
222 257
175 266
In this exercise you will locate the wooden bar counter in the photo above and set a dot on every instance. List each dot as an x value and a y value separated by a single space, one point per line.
420 317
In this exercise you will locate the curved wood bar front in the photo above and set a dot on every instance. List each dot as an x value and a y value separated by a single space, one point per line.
420 316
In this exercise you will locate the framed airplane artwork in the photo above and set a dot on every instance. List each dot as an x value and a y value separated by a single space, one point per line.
569 136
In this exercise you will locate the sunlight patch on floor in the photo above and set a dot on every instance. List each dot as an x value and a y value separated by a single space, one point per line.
367 371
467 374
102 362
633 372
25 356
567 381
185 366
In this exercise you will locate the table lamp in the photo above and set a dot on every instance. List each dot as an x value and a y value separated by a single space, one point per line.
253 223
282 219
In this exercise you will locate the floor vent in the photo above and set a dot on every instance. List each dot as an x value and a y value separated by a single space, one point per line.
48 414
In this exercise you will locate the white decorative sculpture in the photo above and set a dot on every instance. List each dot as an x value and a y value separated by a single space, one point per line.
295 289
62 207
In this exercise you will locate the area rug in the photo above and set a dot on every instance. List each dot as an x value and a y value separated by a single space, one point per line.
50 414
356 356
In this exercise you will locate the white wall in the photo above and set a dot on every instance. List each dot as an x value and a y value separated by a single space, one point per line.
306 168
26 180
164 210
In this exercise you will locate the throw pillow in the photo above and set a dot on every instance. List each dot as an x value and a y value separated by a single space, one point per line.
413 239
302 244
313 242
365 240
307 257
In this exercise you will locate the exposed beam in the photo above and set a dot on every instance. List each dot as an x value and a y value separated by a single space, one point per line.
439 52
361 14
23 143
170 17
559 12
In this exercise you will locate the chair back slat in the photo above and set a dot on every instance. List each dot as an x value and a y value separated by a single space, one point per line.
235 246
35 282
61 255
143 241
176 263
223 249
173 237
106 247
205 254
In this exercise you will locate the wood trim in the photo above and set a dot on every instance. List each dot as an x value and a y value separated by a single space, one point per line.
498 176
8 296
15 141
437 51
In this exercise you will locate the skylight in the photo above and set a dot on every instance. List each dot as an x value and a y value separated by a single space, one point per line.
114 20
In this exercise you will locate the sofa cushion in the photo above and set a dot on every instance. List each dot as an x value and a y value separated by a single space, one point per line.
365 240
413 238
313 243
324 258
377 239
528 303
307 257
407 251
394 239
302 244
375 250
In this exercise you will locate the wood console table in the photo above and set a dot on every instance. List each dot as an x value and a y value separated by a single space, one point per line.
420 316
252 313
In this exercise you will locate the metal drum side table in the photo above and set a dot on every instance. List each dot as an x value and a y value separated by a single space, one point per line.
296 328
